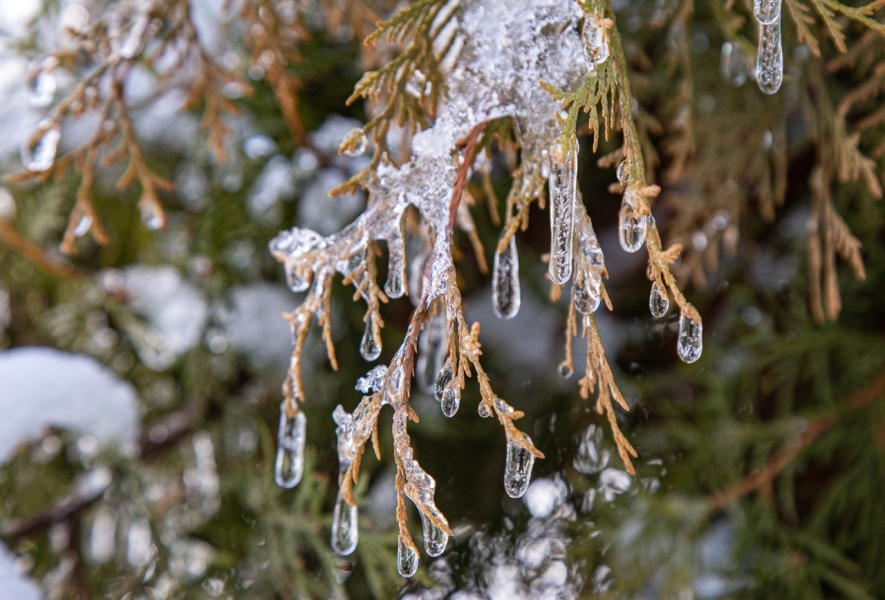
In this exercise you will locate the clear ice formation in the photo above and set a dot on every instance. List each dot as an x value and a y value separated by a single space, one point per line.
632 227
563 197
690 343
595 44
658 302
770 58
431 352
38 152
406 559
590 265
767 11
505 281
508 47
289 466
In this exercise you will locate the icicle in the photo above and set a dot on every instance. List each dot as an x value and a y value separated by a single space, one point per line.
296 282
767 11
43 85
631 227
83 225
370 346
431 352
38 153
563 196
518 471
446 391
595 45
396 267
770 59
435 539
691 343
588 244
505 282
152 218
289 465
406 559
658 303
345 533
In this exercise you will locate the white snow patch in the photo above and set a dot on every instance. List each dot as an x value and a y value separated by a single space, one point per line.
174 308
44 387
12 583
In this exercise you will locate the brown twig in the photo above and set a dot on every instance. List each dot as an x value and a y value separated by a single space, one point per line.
815 428
11 237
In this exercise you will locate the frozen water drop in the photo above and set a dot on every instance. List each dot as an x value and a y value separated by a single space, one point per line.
691 343
505 282
483 410
152 216
354 143
406 559
621 171
518 470
565 370
595 45
289 466
431 352
770 59
631 227
451 400
345 533
296 282
443 381
658 302
767 11
563 196
38 152
43 88
83 225
395 286
586 292
435 539
370 348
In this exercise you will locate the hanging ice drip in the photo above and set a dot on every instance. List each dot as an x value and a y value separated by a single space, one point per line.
770 57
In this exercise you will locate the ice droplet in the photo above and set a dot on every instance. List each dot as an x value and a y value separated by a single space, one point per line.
691 343
289 466
354 143
565 370
767 11
483 410
451 400
518 470
505 282
770 59
621 171
83 225
563 196
658 302
344 527
586 292
431 352
152 218
595 45
43 88
395 286
373 381
296 282
631 227
370 348
443 380
406 559
38 152
435 539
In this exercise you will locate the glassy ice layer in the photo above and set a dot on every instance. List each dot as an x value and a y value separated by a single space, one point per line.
563 196
289 466
658 302
344 527
505 282
770 59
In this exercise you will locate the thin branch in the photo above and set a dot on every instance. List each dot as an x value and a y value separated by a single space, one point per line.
11 237
815 428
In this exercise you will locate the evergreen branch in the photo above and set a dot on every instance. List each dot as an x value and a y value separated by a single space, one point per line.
12 238
813 429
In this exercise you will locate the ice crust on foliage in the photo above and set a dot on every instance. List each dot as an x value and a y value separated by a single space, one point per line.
509 47
44 387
